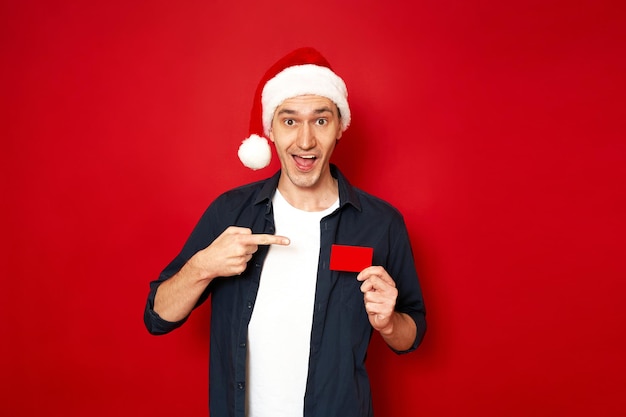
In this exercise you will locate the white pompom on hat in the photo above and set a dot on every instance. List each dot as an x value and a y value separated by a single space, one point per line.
303 71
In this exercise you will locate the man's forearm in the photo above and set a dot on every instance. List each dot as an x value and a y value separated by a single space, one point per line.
177 296
401 334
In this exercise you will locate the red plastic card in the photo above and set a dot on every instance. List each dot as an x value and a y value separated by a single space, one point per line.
350 258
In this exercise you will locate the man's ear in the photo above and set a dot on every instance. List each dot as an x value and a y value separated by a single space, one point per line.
271 135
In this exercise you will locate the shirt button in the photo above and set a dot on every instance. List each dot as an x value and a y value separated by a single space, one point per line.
240 385
249 305
242 345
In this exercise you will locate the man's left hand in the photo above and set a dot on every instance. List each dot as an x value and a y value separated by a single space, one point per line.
379 295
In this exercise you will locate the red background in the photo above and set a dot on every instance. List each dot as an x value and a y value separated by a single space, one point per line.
496 127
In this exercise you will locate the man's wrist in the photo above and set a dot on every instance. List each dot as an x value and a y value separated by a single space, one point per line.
197 272
387 331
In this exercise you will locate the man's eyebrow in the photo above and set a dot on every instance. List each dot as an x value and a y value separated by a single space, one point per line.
323 110
285 111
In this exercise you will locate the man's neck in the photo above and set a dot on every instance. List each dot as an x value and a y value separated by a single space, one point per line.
317 198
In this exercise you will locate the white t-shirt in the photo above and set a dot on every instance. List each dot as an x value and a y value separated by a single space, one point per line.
279 333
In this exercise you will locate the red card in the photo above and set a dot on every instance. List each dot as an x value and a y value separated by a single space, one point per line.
350 258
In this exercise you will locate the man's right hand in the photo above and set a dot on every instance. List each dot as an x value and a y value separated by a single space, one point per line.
229 254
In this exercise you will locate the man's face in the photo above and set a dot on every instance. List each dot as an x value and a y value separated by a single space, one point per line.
305 130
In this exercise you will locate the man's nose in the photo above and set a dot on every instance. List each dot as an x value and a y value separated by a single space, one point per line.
306 137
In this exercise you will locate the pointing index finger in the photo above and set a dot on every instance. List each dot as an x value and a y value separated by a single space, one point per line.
265 239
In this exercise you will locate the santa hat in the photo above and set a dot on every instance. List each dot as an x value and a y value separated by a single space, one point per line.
303 71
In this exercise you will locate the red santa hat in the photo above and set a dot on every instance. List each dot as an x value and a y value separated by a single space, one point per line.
303 71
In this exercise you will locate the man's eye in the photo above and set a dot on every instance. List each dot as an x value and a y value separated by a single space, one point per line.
289 122
321 122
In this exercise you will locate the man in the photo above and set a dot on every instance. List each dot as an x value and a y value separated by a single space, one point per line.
291 318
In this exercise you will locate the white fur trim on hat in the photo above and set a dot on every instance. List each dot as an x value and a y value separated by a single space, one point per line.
300 80
254 152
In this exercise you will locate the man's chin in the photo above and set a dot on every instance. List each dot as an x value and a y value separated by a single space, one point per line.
303 179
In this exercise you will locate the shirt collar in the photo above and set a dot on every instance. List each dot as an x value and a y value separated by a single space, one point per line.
347 193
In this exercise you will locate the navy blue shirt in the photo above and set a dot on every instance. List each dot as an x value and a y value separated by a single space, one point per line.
337 383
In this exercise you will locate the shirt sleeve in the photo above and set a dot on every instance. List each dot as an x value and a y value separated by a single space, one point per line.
154 323
402 269
200 238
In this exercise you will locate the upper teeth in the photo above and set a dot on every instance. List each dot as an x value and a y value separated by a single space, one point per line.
308 156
